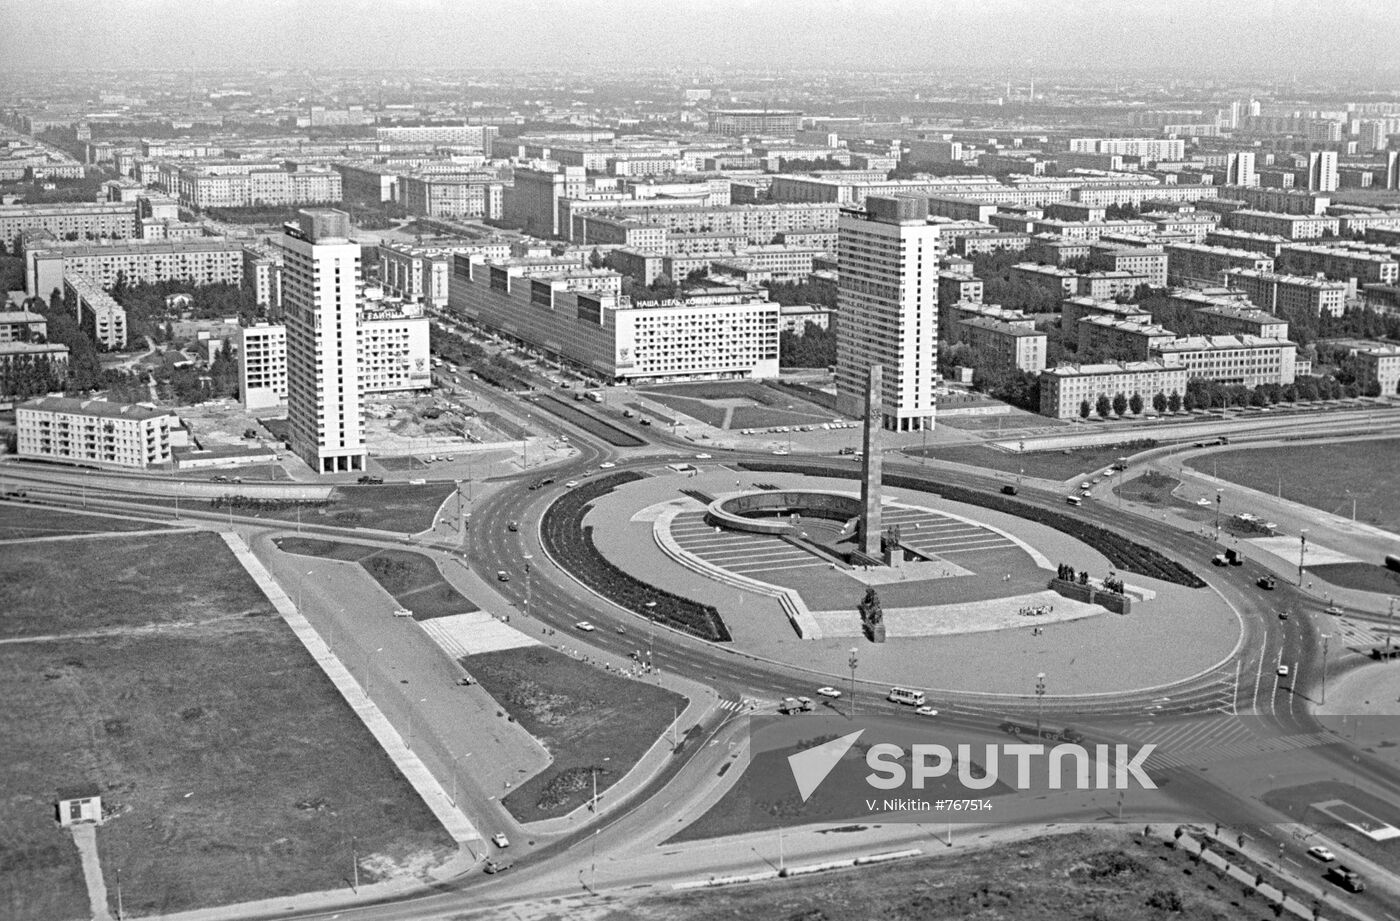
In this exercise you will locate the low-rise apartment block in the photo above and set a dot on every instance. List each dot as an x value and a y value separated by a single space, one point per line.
204 261
1065 390
78 221
1246 360
1187 262
1378 370
94 432
1150 262
1340 263
1103 338
1268 244
262 366
1074 309
102 318
721 334
1292 226
1290 295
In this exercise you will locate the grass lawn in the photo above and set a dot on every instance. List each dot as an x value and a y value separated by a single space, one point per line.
66 586
707 413
761 417
23 521
586 717
221 791
1103 874
1365 577
412 578
1049 465
1324 476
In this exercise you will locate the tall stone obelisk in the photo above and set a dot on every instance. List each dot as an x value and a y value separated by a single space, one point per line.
870 527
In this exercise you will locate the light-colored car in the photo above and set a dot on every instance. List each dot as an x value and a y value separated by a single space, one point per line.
782 453
606 465
1334 610
1085 485
1203 501
828 691
402 612
585 626
1321 853
571 484
500 840
702 457
926 711
1283 671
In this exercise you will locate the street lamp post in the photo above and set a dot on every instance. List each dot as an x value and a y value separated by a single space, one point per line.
1218 498
1325 638
1389 619
853 662
1039 701
527 559
1302 552
651 629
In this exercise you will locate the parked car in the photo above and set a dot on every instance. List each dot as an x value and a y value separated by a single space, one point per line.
828 691
502 576
1283 615
1283 671
466 681
571 484
606 465
495 866
1009 490
500 840
513 526
702 457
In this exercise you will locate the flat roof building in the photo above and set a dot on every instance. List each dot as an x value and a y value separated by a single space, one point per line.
94 433
1073 391
1245 360
1290 295
102 318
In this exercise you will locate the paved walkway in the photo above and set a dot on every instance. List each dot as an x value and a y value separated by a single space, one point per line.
85 837
412 767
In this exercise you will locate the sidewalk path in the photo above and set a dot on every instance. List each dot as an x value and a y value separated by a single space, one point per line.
413 769
85 837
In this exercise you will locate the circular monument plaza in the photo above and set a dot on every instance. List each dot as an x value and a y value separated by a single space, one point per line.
964 590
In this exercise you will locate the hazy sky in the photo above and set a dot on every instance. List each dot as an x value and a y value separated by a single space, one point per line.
1279 35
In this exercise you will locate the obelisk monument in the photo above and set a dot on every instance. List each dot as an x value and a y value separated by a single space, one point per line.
870 529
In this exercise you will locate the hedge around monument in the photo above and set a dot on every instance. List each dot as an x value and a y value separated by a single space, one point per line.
571 545
1125 554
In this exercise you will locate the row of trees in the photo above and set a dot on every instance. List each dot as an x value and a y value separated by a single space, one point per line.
1203 394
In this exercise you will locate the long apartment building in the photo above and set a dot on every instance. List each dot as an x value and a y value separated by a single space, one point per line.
887 299
262 274
1266 243
80 220
1135 194
1149 262
95 433
203 261
220 188
475 196
419 273
1187 262
1074 309
1106 337
578 315
1246 360
1144 148
101 317
1279 201
1291 226
1065 390
1230 314
1003 345
1339 262
446 134
759 224
1290 295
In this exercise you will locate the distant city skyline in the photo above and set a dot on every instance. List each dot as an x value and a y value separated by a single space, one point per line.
1285 37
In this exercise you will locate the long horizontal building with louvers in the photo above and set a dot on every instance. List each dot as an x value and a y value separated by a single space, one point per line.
580 316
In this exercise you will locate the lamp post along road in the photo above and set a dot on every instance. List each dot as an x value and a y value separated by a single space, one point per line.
1325 638
1302 552
853 662
1039 701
